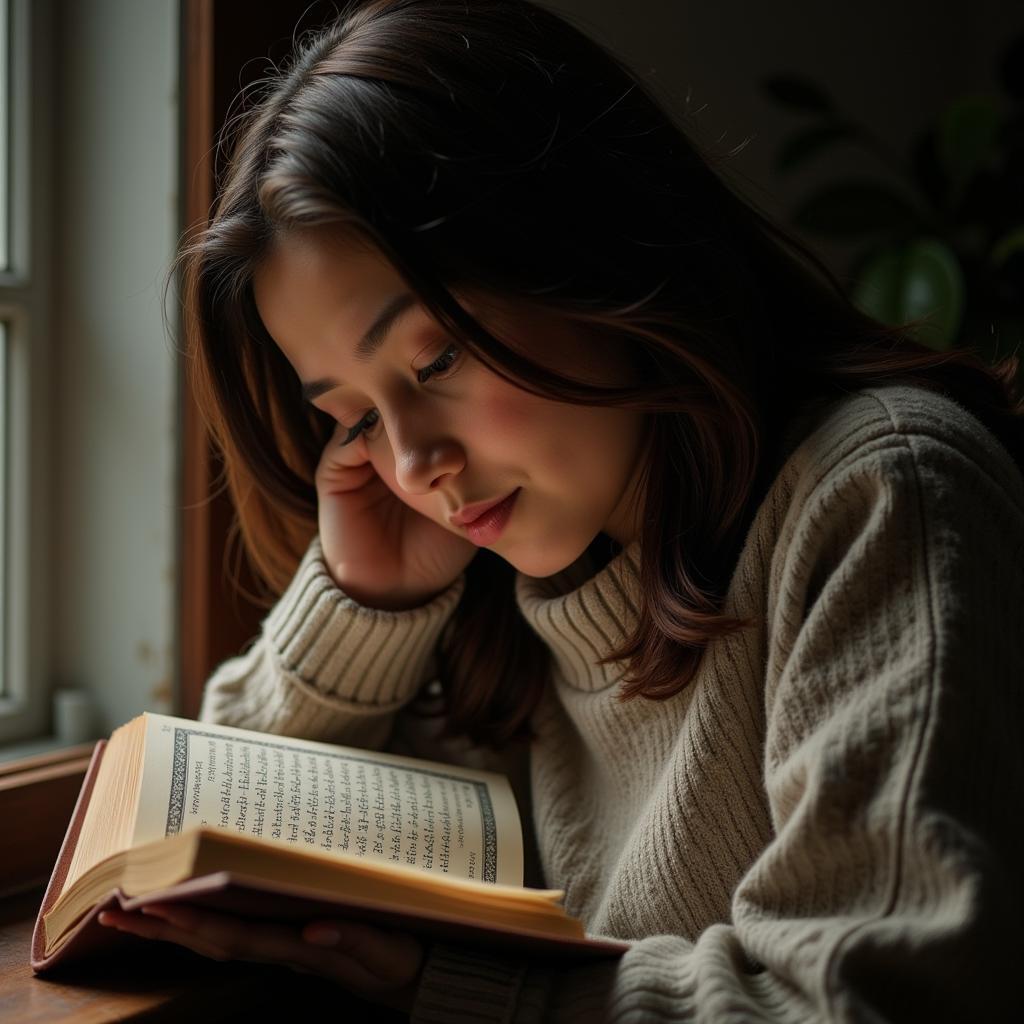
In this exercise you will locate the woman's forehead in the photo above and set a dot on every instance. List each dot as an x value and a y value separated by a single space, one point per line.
321 251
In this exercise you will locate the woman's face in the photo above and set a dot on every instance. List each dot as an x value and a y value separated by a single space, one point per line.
457 434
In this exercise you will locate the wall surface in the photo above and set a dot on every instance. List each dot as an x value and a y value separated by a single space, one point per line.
893 66
114 514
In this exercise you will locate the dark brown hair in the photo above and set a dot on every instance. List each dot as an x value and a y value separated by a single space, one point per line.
492 146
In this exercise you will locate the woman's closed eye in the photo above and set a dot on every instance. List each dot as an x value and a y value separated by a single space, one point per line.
443 366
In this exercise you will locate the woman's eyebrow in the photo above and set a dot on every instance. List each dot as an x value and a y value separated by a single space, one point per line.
368 345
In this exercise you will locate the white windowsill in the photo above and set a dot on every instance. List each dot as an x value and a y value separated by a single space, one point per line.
43 745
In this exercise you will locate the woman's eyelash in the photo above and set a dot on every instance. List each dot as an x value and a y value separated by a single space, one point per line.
439 365
362 425
444 362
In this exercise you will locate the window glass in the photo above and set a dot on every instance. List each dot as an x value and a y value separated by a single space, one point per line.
5 121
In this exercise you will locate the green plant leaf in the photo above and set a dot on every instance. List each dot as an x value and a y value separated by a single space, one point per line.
799 148
967 134
798 94
1007 246
854 208
913 279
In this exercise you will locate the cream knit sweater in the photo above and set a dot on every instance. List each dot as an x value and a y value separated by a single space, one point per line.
823 826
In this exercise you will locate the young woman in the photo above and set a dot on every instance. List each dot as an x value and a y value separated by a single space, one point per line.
559 458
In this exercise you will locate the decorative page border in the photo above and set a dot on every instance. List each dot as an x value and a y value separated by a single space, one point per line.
179 784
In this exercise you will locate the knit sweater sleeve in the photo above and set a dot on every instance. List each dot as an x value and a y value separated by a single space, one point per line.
890 888
327 668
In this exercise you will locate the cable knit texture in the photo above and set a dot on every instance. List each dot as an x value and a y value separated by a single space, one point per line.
823 826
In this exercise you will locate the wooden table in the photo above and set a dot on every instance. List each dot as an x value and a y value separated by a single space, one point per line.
147 986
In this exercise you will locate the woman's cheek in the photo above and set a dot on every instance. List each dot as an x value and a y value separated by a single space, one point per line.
503 413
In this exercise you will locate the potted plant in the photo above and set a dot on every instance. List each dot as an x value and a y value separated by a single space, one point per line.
942 234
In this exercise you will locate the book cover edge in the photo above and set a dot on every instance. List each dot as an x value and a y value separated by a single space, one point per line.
38 959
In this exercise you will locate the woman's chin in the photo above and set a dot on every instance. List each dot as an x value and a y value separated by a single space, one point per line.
536 560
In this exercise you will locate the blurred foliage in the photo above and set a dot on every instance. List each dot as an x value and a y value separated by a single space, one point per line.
943 233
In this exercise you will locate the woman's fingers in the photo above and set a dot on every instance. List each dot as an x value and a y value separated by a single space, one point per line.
364 959
201 932
391 957
159 927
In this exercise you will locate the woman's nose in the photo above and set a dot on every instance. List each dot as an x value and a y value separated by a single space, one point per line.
423 458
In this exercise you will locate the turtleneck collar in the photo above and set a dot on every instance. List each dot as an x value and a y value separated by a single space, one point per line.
583 615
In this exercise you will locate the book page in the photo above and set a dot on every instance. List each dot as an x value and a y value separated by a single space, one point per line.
420 814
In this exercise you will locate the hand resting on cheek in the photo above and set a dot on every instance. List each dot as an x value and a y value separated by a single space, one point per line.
379 550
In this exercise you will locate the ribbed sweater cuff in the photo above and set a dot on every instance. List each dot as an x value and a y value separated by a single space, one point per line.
655 980
458 985
365 656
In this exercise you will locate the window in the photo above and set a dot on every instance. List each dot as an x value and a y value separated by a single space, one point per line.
5 316
90 497
24 335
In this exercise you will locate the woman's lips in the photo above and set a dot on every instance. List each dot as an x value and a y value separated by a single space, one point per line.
490 525
469 513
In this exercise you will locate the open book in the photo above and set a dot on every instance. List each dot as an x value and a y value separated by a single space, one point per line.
275 828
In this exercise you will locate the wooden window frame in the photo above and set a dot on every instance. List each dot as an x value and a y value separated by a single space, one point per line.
222 45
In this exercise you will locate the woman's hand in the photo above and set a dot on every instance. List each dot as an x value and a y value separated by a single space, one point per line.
380 966
380 551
